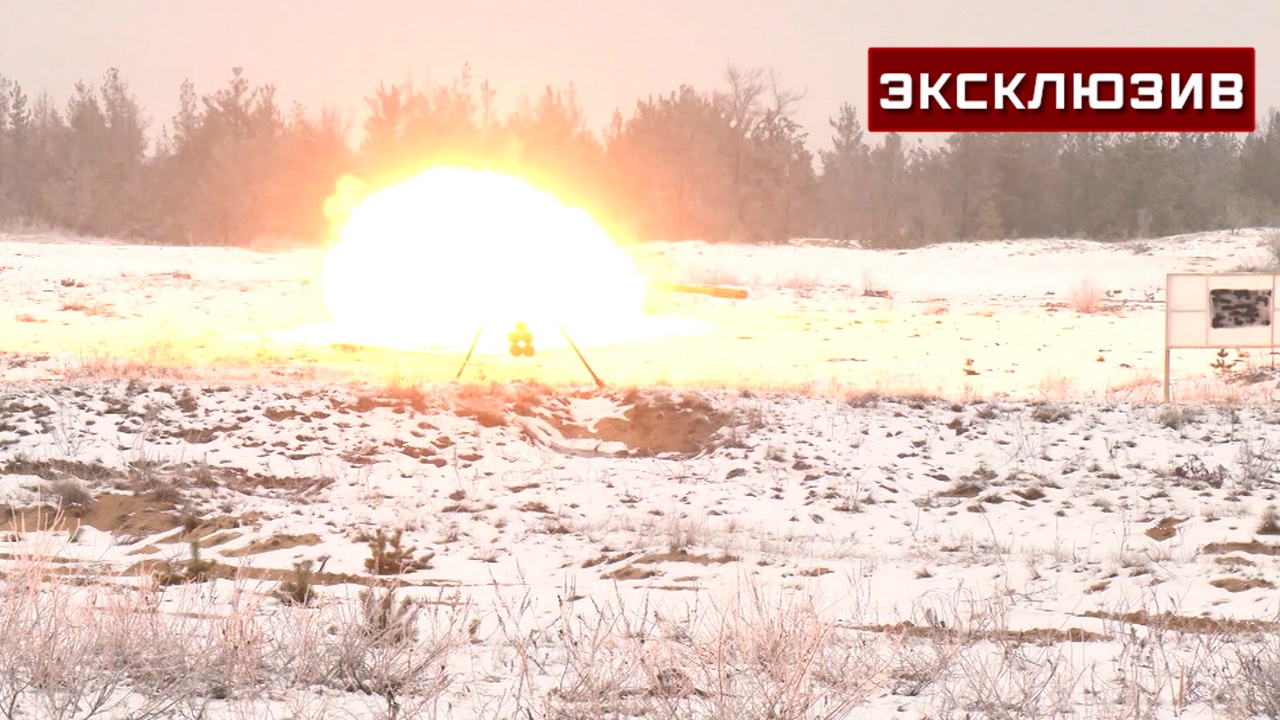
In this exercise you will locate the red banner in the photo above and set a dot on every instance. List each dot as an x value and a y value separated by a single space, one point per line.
1061 89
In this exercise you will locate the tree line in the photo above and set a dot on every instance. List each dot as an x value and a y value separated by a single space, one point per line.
722 164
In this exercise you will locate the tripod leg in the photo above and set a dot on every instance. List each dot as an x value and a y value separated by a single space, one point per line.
472 349
599 382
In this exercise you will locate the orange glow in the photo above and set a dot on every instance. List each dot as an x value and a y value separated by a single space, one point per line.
424 263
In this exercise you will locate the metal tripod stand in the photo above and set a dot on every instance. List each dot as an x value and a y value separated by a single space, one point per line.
527 349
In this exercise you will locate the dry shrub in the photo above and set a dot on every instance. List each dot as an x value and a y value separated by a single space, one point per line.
91 645
802 284
1256 464
1171 662
70 493
871 287
1010 680
1268 523
1271 244
380 649
1256 261
388 555
1255 686
1176 417
159 359
1056 386
1051 412
763 653
752 653
864 399
77 649
1086 297
300 588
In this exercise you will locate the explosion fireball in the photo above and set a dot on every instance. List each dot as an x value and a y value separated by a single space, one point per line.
424 264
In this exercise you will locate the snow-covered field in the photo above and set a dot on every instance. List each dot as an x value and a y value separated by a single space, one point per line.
927 483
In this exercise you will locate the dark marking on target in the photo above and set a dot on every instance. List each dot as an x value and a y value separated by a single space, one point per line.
1240 308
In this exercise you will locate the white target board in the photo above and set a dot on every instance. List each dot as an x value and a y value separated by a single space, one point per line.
1231 310
1227 310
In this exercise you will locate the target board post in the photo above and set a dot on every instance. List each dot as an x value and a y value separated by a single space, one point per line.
1219 310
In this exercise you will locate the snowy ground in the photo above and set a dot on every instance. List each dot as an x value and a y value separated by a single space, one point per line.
887 484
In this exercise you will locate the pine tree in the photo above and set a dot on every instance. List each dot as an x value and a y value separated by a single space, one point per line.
845 183
1260 170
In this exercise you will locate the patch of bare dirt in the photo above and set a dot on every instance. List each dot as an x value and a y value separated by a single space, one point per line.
216 569
129 515
396 399
607 559
963 490
1252 547
211 526
221 538
1183 623
685 556
487 410
1232 584
1165 529
207 533
39 559
1039 636
57 469
300 486
276 542
201 435
109 512
653 423
656 424
145 550
493 405
631 572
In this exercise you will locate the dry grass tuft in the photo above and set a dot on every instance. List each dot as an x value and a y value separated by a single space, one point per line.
1086 297
1176 417
1268 523
871 287
802 284
1051 412
750 653
89 645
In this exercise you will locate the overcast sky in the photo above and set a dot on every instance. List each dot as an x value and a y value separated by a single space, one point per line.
335 52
